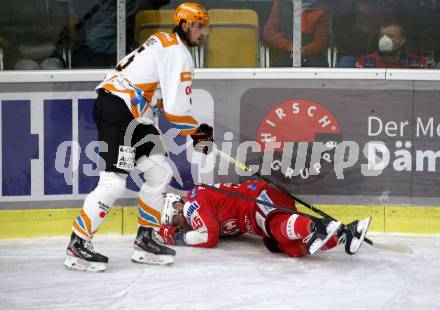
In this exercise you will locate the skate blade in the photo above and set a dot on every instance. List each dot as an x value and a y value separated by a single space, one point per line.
79 264
364 225
142 257
332 229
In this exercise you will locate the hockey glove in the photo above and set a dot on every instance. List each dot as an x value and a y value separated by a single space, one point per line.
202 139
171 235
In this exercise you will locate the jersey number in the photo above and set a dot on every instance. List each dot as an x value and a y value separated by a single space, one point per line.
197 222
125 62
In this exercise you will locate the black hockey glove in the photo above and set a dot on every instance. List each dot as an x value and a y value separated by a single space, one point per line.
203 139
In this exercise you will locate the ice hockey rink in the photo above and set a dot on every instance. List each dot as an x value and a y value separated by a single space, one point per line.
238 274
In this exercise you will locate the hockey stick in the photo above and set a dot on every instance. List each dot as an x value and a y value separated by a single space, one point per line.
256 200
388 247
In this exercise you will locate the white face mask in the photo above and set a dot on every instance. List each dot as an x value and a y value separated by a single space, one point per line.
385 44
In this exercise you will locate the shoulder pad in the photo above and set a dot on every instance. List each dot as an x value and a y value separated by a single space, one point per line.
167 39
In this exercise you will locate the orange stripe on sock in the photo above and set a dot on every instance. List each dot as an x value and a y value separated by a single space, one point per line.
147 209
80 230
86 221
141 222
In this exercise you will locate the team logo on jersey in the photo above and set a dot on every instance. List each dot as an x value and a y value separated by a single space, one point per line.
307 132
230 227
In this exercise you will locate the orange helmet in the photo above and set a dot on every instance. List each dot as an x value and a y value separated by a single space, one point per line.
192 13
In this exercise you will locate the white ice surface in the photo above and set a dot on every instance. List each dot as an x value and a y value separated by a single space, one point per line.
238 274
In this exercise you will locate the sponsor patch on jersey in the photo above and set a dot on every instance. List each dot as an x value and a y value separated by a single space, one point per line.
252 187
290 227
185 76
126 158
193 207
265 209
151 41
103 206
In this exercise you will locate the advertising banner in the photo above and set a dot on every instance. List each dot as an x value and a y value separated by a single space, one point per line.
49 147
334 141
379 144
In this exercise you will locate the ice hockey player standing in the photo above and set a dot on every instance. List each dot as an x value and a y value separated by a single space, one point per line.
124 114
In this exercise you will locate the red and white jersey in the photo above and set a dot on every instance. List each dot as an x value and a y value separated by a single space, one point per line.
161 67
212 214
407 60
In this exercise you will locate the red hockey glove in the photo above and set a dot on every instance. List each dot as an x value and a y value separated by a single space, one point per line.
202 139
167 233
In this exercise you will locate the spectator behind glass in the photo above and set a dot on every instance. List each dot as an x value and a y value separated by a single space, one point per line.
93 30
391 52
32 31
354 25
315 31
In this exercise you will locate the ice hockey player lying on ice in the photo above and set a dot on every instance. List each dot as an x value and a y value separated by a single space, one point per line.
208 214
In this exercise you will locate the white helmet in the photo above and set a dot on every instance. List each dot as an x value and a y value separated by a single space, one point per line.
169 211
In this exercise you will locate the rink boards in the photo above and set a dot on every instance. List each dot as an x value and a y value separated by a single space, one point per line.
381 129
122 220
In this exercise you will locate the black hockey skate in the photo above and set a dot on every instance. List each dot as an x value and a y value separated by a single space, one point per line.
149 248
354 235
82 257
322 231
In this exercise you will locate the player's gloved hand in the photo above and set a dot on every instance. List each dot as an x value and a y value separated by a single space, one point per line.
203 139
167 233
172 235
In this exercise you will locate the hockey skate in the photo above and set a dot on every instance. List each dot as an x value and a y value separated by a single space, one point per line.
322 231
82 257
149 249
354 234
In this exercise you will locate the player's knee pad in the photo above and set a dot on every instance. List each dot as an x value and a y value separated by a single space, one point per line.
98 203
157 172
113 184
